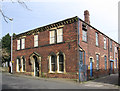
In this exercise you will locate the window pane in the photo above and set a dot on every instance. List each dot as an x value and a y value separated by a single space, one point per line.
23 64
52 63
84 35
61 67
35 40
97 59
18 44
23 43
52 37
96 39
53 67
104 43
59 35
61 62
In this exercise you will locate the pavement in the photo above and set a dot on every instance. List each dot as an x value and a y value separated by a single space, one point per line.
14 81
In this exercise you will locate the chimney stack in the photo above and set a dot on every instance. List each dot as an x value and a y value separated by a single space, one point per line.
86 16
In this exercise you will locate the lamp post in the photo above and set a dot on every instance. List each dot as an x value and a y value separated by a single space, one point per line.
11 41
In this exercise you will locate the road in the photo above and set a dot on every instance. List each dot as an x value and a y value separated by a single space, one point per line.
12 81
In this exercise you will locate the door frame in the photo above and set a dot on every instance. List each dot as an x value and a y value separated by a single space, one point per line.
91 67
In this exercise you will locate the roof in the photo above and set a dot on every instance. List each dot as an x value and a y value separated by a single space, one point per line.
47 27
59 23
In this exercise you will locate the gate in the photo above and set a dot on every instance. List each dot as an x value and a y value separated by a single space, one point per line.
82 72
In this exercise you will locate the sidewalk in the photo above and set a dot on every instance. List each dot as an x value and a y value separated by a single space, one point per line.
109 81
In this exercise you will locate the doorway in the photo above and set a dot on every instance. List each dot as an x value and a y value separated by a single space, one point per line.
91 67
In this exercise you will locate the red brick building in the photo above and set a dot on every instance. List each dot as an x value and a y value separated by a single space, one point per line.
70 48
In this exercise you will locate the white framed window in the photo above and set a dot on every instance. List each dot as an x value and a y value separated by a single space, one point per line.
96 39
84 35
23 64
115 49
97 61
18 44
35 40
18 65
105 43
60 63
22 43
59 35
52 37
52 63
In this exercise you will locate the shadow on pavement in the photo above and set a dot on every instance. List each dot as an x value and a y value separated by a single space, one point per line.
111 79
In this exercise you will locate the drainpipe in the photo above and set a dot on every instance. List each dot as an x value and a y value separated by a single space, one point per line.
108 57
78 43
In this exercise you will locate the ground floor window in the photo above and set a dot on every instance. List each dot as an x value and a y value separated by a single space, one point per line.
97 61
52 63
23 63
18 64
61 62
105 63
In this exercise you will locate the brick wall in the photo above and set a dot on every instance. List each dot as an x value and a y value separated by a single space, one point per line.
68 47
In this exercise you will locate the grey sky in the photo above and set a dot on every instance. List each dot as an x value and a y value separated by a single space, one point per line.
103 14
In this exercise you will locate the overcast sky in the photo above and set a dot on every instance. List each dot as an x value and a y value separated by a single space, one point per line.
103 14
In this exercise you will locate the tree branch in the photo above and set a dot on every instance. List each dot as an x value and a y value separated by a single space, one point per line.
6 18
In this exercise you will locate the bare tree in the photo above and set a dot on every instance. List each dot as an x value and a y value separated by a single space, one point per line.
21 2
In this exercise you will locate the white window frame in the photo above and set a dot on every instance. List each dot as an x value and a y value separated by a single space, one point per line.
84 35
105 42
52 36
58 70
18 66
18 44
50 65
97 61
59 35
22 64
97 40
35 40
22 43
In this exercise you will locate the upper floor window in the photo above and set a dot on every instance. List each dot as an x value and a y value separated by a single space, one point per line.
115 49
111 45
96 39
104 42
18 44
97 60
84 35
59 35
52 37
22 43
56 36
35 40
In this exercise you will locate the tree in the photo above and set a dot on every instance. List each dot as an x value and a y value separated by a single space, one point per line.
6 42
6 47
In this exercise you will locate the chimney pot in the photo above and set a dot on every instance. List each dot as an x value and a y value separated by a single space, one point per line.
86 16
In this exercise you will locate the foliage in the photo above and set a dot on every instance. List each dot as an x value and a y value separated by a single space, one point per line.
6 47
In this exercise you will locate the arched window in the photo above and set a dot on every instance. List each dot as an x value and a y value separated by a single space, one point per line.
61 63
52 63
18 64
23 63
105 62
